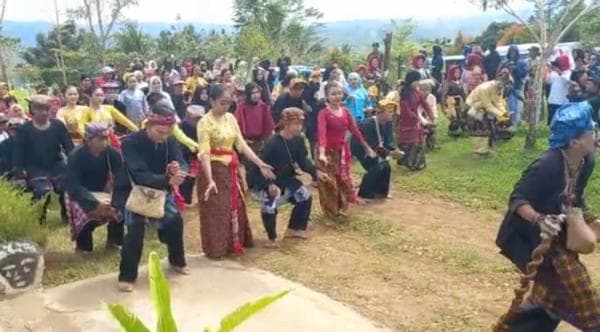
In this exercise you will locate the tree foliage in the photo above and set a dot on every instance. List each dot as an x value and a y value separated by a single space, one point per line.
490 36
515 34
101 17
131 39
252 42
286 23
43 54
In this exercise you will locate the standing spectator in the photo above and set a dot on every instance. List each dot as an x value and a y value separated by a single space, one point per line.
437 65
492 62
293 98
85 90
133 98
178 98
559 82
518 70
107 76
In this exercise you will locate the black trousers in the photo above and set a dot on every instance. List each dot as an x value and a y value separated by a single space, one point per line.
85 239
171 234
533 319
298 219
376 182
187 188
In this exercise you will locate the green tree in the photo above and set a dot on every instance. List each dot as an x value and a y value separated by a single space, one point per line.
182 42
101 17
403 49
218 43
252 42
287 23
336 55
131 39
490 36
43 54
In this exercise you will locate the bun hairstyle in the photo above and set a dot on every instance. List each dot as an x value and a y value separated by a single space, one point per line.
216 91
331 85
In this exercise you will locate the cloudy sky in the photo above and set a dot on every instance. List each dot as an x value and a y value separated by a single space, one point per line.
220 11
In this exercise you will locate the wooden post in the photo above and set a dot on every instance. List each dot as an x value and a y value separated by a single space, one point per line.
387 42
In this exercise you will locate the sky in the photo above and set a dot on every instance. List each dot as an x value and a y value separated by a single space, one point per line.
220 11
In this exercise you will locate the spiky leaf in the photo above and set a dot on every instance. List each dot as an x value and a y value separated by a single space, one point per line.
128 320
161 297
248 310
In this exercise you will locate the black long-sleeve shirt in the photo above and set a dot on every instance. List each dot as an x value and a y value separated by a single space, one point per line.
39 152
541 186
276 154
369 131
146 162
87 173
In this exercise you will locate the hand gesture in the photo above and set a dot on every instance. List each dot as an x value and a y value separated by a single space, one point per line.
274 191
323 159
550 225
267 171
177 179
173 168
212 187
323 177
371 153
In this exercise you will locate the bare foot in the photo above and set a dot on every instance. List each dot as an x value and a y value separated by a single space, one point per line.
290 233
343 213
272 244
125 287
183 270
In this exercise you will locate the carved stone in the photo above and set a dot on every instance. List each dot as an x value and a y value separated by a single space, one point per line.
21 267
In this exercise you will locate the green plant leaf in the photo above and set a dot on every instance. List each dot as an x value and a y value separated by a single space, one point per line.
128 320
161 296
241 314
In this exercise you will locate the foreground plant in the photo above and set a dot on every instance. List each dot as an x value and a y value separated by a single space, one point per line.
161 299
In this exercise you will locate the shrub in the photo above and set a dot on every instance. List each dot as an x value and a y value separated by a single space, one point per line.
161 298
19 217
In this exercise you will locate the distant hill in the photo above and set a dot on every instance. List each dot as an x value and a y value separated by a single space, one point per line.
359 33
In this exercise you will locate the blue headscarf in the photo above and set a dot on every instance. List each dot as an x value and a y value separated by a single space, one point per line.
570 121
358 103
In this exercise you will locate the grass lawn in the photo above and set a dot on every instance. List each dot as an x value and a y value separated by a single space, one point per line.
456 174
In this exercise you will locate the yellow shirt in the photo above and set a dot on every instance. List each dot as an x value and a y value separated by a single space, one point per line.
194 82
487 98
222 133
71 116
108 115
180 136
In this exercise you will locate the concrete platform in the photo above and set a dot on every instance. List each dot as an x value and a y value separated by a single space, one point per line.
199 300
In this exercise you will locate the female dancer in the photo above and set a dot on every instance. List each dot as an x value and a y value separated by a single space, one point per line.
410 130
71 114
224 226
334 153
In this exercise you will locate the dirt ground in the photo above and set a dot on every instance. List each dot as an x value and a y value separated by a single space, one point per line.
411 263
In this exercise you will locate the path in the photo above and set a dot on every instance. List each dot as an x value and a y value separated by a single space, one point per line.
413 263
199 300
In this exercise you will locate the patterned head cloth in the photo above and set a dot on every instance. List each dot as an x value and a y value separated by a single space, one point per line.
570 121
95 129
161 114
292 115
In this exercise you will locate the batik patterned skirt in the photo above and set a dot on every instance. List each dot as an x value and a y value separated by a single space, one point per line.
216 229
78 218
565 290
336 194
